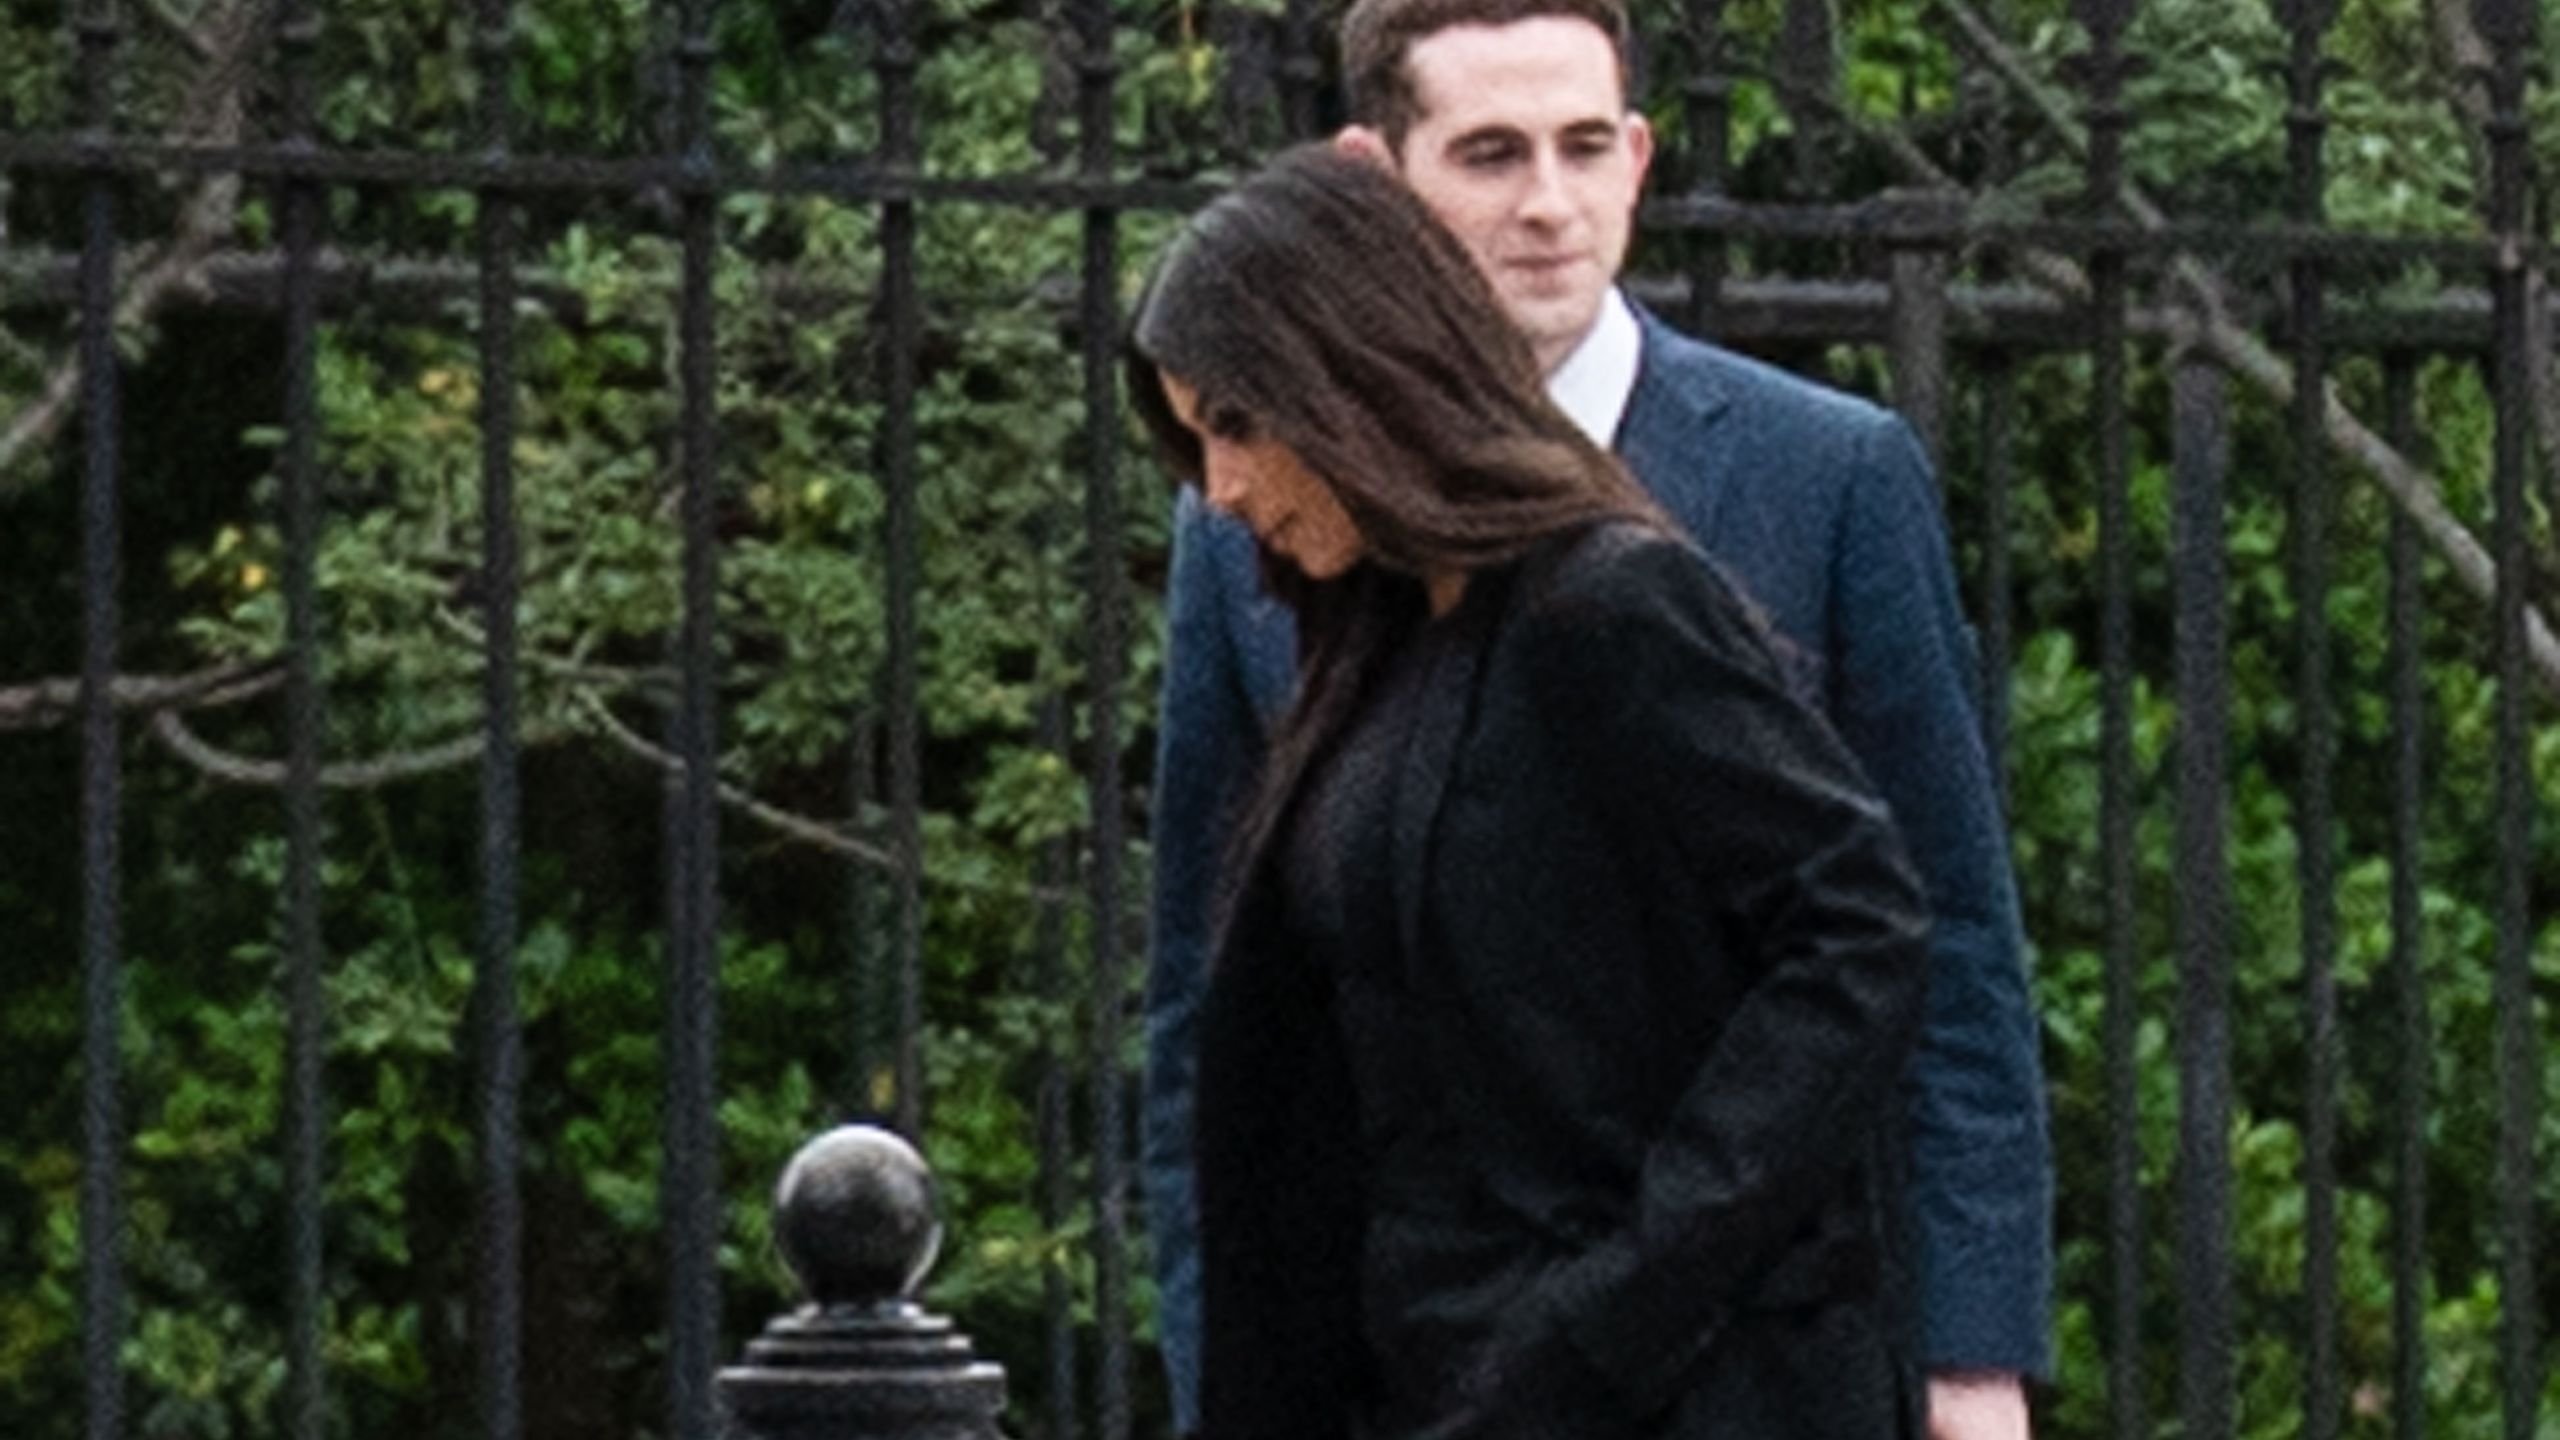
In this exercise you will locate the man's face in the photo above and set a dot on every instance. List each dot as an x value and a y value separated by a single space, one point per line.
1526 150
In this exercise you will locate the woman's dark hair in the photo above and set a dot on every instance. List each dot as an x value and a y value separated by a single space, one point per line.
1319 303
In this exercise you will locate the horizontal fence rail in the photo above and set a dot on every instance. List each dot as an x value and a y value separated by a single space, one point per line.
2008 316
2198 369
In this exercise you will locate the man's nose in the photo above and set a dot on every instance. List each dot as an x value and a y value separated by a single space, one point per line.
1548 201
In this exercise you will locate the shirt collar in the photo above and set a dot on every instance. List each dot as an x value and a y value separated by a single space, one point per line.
1593 384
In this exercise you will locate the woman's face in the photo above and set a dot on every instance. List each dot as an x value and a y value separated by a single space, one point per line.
1262 482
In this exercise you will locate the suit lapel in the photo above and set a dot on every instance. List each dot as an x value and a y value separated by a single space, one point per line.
1671 437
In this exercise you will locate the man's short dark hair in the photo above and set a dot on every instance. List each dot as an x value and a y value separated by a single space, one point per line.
1379 35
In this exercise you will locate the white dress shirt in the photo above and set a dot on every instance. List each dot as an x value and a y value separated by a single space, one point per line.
1593 384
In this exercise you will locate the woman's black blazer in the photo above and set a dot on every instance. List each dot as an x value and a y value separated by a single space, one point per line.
1672 959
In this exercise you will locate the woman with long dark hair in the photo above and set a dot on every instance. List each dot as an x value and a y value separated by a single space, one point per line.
1567 960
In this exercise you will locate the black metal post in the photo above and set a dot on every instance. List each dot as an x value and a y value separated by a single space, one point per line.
297 38
498 1033
2307 128
1808 64
102 1273
2103 71
2416 1056
690 1187
2207 1337
2508 27
901 325
1301 72
1916 320
1106 645
1999 400
1709 93
1056 1101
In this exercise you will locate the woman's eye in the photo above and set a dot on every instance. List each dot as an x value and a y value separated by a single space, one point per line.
1230 423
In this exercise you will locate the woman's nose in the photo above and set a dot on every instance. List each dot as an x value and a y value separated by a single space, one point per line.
1222 482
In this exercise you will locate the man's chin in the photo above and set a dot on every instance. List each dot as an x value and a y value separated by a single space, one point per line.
1553 324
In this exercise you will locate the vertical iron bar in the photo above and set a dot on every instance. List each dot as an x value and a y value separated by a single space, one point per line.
1916 332
2103 74
2116 859
1050 939
297 38
1999 485
2507 26
1301 70
1709 92
897 440
1100 324
1808 67
874 1044
102 1274
499 1037
690 1188
2306 129
1057 1161
2204 969
2408 813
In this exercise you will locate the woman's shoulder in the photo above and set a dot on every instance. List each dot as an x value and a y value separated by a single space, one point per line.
1603 597
1615 564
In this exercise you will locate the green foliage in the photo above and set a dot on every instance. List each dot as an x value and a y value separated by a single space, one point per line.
808 949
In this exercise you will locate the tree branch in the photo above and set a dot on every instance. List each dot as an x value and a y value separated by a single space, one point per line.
233 769
178 28
203 224
576 669
806 830
2468 91
1987 44
2233 345
45 703
16 351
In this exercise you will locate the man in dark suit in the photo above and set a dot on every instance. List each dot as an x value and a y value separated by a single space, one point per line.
1509 118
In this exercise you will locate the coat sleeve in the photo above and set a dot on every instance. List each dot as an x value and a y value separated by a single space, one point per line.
1978 1195
1209 747
1665 708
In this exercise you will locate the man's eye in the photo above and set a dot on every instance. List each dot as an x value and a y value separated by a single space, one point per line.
1488 157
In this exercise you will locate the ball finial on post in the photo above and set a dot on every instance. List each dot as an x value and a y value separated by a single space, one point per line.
854 1218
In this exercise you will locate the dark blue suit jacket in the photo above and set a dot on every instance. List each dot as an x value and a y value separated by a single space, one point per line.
1823 508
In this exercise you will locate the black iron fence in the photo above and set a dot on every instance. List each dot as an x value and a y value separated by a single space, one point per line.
2094 313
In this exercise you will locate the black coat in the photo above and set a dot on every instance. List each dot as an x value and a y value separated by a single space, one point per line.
1672 956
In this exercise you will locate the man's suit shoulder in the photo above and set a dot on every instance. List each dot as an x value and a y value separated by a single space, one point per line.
1766 393
1788 456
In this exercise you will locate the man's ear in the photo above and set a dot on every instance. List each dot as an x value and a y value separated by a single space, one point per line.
1365 143
1640 143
